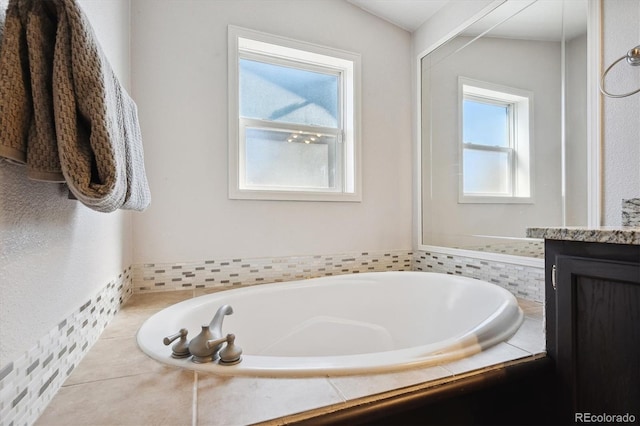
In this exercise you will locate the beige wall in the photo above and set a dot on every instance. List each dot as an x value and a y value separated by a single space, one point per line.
179 65
55 253
621 132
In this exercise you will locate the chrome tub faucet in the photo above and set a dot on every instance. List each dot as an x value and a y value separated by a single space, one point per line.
206 346
216 323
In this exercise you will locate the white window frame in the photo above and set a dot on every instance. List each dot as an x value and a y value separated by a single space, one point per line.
245 43
520 150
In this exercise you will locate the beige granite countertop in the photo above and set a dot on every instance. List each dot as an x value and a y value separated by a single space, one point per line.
117 384
604 234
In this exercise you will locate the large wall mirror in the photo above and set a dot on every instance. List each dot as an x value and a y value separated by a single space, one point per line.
504 126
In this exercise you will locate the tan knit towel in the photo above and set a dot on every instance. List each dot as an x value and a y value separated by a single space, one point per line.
16 111
63 111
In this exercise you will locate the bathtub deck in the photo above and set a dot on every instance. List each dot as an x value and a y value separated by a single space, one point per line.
117 384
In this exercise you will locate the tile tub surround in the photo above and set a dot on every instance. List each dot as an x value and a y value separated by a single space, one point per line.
525 282
603 234
117 384
233 272
28 383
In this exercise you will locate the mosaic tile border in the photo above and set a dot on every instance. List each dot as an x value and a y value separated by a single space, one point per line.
528 248
526 282
28 383
153 277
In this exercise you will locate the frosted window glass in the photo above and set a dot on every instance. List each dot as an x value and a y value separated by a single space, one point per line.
486 172
273 161
288 95
485 123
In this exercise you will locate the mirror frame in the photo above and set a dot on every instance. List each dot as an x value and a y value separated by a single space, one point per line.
594 135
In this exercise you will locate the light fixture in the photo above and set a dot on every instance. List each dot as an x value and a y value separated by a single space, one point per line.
633 59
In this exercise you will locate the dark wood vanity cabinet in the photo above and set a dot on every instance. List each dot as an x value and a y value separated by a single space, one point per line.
592 293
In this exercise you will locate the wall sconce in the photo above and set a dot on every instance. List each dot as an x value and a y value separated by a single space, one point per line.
633 59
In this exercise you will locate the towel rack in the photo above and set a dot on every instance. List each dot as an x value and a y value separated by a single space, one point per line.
633 58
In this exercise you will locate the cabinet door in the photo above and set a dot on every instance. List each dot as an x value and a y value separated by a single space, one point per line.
598 335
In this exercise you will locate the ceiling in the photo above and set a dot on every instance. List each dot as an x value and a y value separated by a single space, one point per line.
406 14
538 20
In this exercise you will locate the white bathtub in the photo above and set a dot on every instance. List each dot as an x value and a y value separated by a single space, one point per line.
348 324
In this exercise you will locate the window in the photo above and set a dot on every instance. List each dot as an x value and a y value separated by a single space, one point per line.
293 130
495 143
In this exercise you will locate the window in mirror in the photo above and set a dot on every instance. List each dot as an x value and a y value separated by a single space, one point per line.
495 149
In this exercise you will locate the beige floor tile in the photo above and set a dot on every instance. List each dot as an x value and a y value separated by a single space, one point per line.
211 290
208 290
157 301
529 337
531 309
146 399
245 400
138 309
126 323
495 355
112 358
352 387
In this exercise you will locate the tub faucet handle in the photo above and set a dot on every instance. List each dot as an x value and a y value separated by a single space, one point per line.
231 354
181 348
